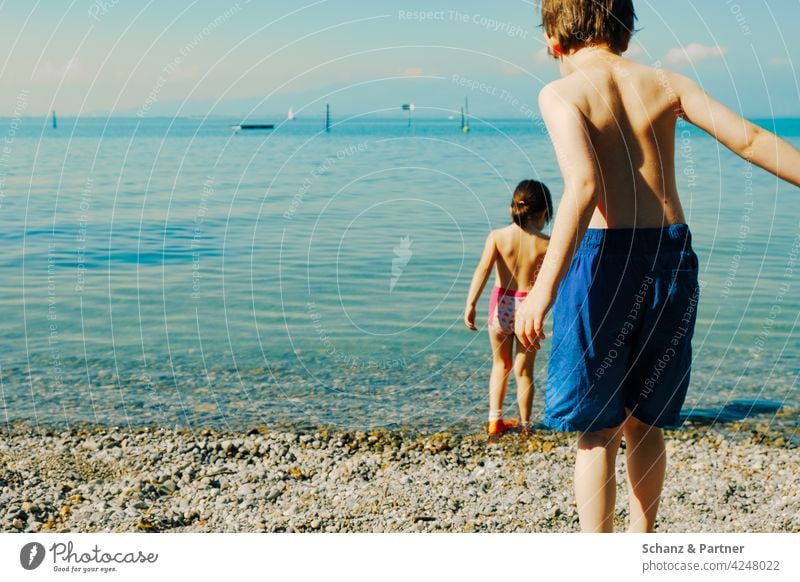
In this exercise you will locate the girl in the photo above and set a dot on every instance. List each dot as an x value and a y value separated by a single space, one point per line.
517 251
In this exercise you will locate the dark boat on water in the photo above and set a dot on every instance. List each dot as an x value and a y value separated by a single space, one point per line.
244 126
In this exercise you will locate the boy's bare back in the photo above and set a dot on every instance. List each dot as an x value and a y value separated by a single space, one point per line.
519 256
630 112
612 122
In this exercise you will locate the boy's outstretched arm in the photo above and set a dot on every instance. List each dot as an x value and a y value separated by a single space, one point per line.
576 159
479 278
748 140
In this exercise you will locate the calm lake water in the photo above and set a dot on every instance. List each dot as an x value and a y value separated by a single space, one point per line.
169 272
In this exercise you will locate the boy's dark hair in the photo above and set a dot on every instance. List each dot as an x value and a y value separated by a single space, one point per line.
531 199
577 22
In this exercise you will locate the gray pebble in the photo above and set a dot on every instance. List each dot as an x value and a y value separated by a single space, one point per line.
168 487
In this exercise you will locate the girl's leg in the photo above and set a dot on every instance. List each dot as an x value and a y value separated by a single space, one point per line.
502 346
523 374
647 464
595 479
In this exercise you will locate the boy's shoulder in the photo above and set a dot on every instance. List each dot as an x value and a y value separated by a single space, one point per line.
575 88
563 89
567 93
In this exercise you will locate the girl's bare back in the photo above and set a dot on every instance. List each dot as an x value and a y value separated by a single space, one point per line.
519 256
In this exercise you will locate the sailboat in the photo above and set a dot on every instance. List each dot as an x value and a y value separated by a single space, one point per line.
290 114
465 116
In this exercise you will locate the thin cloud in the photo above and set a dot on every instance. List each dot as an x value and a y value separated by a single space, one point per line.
693 53
69 71
780 61
412 72
510 70
186 72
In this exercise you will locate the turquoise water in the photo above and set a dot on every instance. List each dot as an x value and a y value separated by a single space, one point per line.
170 272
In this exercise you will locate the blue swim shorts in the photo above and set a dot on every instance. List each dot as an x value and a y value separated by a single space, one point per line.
623 322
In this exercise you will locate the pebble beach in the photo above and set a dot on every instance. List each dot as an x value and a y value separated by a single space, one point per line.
107 479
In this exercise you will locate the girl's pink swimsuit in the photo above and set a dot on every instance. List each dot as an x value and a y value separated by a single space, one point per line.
502 306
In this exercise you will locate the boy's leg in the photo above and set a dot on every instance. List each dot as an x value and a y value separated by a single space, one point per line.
647 464
595 479
502 352
657 382
523 374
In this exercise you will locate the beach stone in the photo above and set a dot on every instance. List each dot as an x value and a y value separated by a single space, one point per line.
168 487
90 444
274 493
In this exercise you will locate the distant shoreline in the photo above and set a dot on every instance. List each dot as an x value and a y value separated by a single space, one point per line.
280 117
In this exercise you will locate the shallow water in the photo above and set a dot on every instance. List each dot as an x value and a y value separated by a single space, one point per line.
172 272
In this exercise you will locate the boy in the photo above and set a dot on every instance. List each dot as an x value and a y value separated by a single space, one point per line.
627 287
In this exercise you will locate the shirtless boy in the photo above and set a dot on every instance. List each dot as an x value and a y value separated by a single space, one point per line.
620 272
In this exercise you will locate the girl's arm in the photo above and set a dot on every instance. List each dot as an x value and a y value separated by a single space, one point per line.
749 141
479 278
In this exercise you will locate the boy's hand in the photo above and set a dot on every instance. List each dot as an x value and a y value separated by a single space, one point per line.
469 317
529 320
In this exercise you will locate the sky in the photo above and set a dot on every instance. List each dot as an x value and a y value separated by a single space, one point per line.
259 57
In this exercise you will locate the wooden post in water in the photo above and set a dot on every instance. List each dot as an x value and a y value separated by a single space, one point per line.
408 107
327 117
